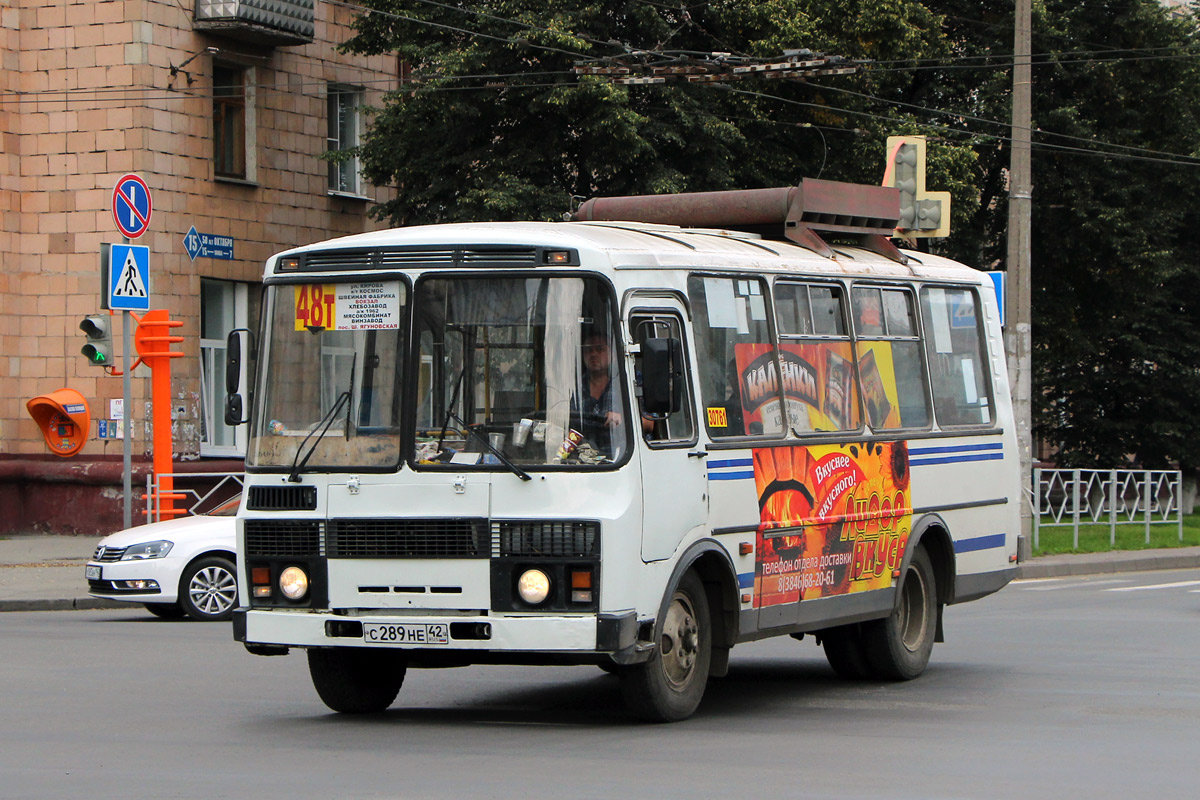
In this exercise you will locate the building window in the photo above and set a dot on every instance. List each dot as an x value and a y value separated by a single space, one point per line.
223 307
229 122
343 136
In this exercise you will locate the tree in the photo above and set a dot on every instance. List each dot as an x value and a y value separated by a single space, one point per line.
1116 310
496 126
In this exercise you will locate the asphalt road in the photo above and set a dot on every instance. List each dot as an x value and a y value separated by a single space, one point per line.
1075 687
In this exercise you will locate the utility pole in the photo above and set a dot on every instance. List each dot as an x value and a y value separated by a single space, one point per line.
1018 333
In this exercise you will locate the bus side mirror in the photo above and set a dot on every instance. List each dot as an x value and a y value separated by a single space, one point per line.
662 376
234 403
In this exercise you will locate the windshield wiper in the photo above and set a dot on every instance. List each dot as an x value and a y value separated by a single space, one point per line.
503 459
323 426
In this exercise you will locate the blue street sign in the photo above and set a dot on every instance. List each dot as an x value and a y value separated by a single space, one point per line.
207 245
131 206
129 278
998 284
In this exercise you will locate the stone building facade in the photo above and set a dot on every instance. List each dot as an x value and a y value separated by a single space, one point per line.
224 108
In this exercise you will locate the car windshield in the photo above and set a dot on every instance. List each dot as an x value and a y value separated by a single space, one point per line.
518 371
329 394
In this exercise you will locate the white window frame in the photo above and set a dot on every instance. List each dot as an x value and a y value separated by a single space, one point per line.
212 380
342 104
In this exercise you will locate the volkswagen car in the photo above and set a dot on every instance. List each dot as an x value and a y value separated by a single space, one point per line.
177 568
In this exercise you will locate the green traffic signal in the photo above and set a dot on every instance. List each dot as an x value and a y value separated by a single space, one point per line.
98 349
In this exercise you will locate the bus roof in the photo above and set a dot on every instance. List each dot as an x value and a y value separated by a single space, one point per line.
636 245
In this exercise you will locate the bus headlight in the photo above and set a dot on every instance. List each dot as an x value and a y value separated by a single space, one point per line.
533 586
293 582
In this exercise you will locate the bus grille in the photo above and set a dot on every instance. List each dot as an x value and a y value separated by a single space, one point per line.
568 538
408 538
282 498
283 537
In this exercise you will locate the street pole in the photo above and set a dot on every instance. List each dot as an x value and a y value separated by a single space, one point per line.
1018 334
126 444
126 419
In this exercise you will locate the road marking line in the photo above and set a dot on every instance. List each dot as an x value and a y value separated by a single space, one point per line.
1175 585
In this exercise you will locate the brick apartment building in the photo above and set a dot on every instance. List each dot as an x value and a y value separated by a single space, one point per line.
223 108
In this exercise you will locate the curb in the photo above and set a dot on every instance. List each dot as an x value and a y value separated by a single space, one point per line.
1102 564
63 604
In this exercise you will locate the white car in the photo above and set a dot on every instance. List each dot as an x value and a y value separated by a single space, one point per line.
175 568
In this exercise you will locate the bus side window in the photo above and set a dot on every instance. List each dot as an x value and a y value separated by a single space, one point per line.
891 372
679 425
957 369
738 360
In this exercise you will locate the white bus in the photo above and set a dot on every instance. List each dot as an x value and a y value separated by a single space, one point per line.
627 443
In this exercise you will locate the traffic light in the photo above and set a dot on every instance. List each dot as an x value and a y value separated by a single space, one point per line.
922 213
99 344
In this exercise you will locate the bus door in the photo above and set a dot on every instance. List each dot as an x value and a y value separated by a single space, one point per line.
674 488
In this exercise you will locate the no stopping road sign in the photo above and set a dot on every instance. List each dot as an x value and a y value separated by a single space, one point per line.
131 206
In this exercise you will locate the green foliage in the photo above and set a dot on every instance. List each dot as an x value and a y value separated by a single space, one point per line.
499 127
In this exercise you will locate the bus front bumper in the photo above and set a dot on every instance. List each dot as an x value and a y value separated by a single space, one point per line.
471 639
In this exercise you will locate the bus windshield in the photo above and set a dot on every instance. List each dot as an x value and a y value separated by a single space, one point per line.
518 371
329 396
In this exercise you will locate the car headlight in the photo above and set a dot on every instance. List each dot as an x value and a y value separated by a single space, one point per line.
139 552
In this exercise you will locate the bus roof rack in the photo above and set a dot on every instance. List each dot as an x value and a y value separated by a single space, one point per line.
795 213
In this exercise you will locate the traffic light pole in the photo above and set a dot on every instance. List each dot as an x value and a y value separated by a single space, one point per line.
126 440
126 419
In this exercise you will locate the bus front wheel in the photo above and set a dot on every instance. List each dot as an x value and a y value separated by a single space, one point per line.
354 680
668 686
898 646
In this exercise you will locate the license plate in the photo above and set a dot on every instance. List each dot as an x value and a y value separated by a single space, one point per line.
92 573
406 633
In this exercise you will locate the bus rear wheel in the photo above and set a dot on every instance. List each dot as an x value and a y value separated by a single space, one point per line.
355 680
669 686
898 647
845 652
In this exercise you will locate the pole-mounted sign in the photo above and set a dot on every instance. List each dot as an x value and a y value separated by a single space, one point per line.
131 206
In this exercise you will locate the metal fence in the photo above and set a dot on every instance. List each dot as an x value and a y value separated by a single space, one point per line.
197 492
1075 497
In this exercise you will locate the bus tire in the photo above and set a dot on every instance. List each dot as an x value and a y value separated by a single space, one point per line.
668 687
899 645
845 652
353 680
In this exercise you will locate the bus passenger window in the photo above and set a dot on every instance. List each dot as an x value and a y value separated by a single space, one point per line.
738 362
957 367
889 358
818 366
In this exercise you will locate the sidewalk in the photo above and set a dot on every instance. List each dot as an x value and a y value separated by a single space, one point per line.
45 573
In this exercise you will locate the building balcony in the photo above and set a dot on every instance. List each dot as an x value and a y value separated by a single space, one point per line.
263 22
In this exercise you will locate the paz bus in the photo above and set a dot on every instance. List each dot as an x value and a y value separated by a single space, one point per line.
634 440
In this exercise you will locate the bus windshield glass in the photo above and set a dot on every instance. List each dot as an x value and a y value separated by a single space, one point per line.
330 392
518 371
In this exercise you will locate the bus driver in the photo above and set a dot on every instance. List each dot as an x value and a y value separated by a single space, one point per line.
600 421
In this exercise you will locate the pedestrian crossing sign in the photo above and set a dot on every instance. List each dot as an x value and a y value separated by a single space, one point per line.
129 277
